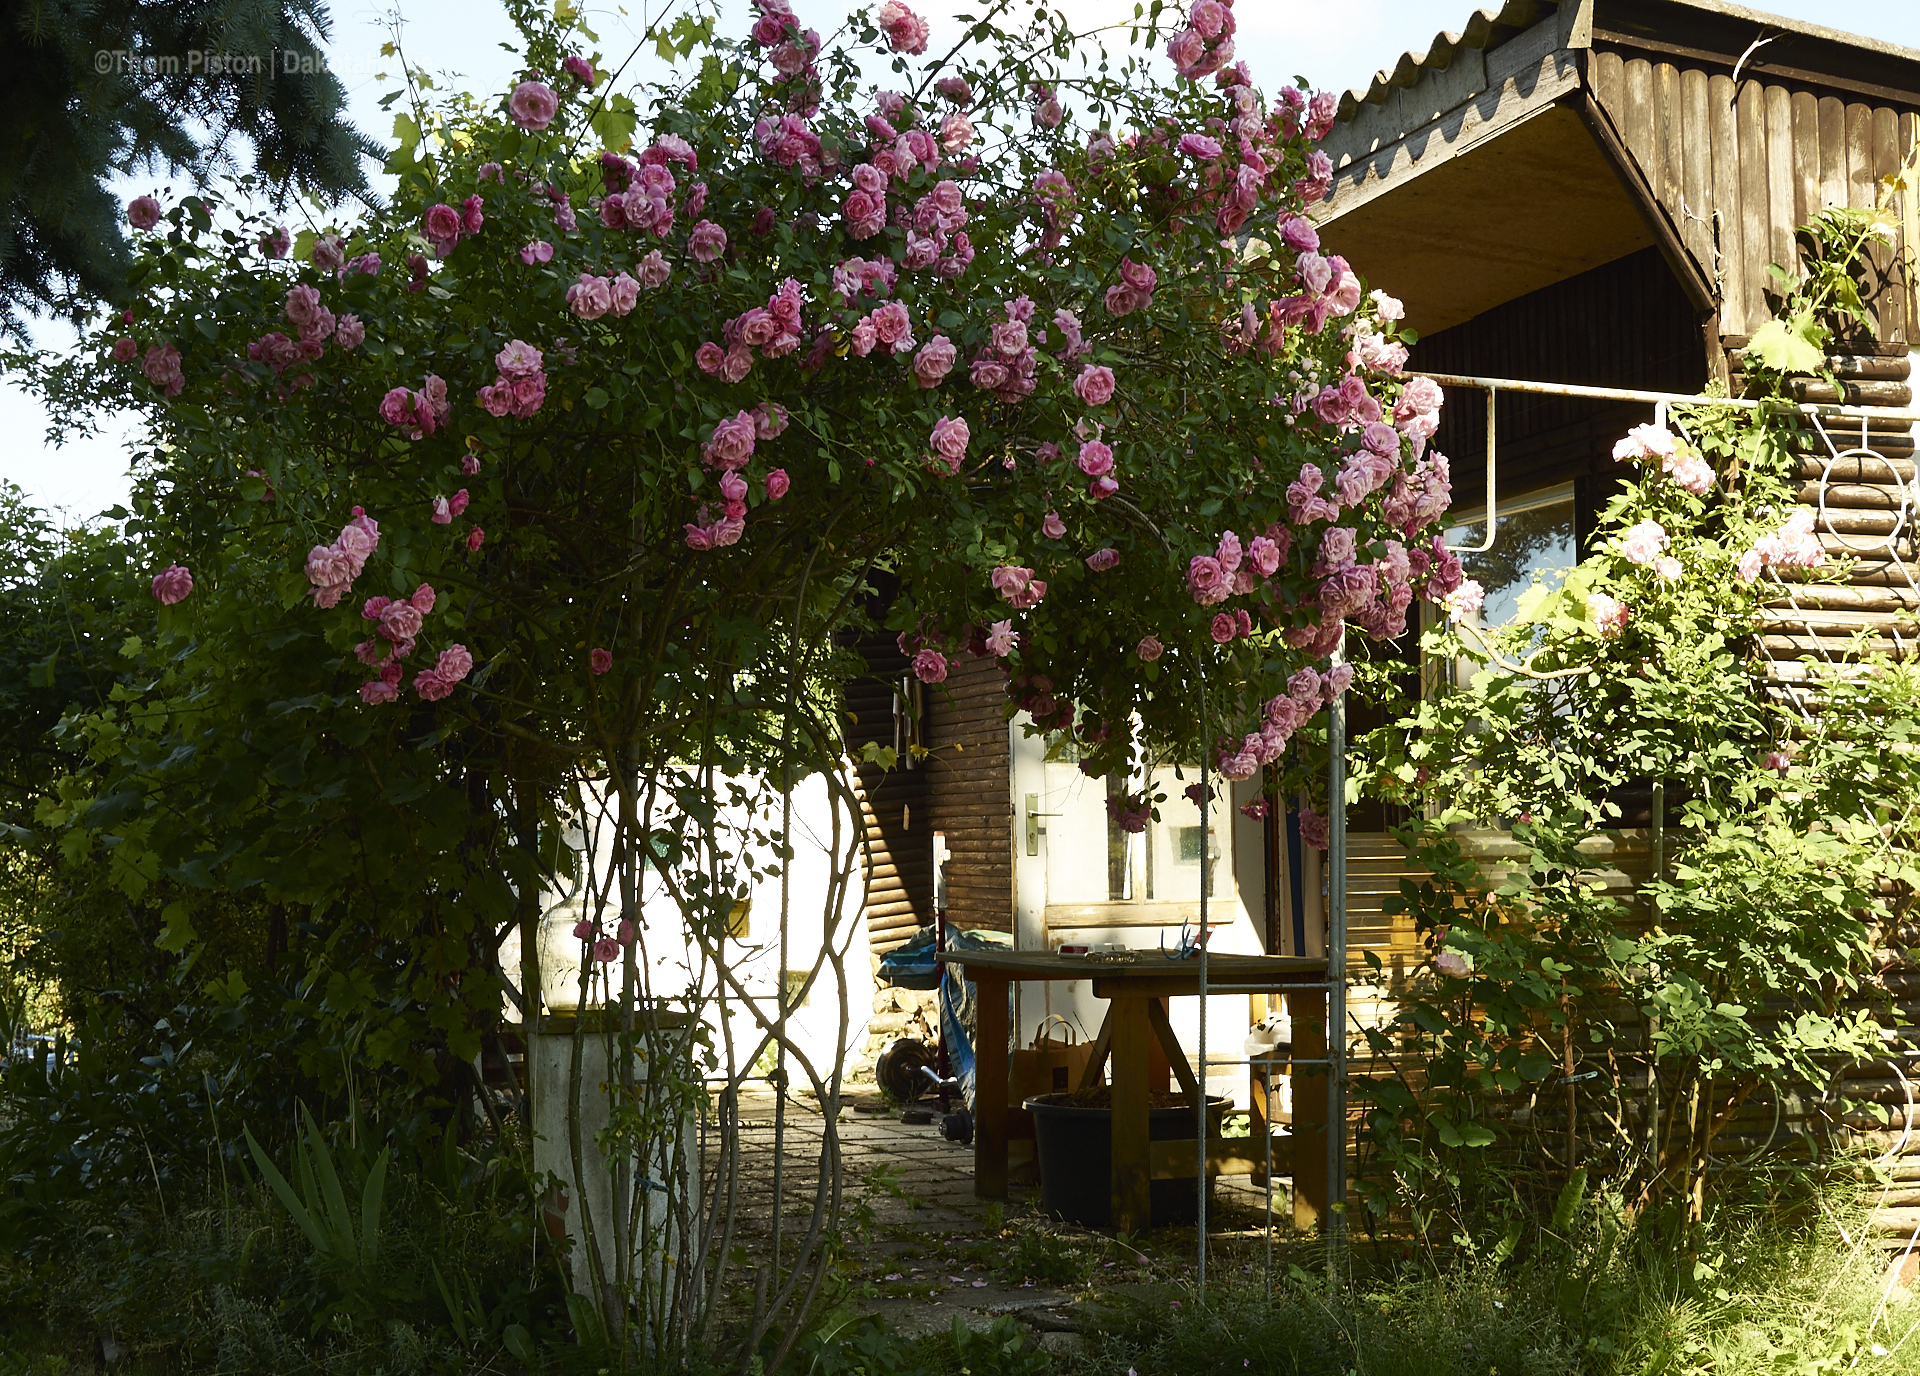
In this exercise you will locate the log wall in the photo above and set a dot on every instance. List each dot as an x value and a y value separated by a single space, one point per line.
969 792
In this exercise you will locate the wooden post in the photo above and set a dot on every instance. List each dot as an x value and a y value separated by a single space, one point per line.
990 1085
1158 1064
1132 1177
1311 1091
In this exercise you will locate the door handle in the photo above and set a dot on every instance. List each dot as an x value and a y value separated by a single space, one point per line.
1034 814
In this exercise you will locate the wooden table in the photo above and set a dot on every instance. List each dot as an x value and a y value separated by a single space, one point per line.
1136 1026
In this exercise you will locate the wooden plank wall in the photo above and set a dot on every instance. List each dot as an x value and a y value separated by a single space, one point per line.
969 795
893 803
1738 169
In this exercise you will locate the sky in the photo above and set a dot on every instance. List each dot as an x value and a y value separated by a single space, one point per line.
1334 45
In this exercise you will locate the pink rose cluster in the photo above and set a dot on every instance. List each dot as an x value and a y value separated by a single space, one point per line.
446 508
1095 459
1309 117
640 196
1017 585
143 212
332 568
1465 601
1677 460
1206 44
313 325
1329 290
1792 546
417 414
172 585
729 449
1284 714
444 226
887 326
773 329
520 385
934 236
788 142
592 296
906 31
1134 291
856 277
1006 366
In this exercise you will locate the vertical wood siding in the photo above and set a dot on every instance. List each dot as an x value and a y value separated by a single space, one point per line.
898 870
1738 169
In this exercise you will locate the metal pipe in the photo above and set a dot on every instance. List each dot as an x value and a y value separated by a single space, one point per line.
1486 544
1337 974
1574 389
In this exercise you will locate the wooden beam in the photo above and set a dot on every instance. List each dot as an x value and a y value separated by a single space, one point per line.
1102 1045
1176 1058
1132 1195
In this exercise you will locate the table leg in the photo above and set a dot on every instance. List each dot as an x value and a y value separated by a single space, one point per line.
1132 1174
1308 1009
989 1086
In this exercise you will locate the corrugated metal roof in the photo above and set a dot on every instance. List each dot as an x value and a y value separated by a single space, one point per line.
1485 28
1488 28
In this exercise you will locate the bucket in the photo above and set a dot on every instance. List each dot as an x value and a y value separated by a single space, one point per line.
1074 1144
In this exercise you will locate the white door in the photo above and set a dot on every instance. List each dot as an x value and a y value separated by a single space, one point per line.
1080 879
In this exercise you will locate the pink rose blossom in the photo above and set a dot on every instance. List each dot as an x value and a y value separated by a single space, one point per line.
1693 473
143 212
599 660
654 270
1094 386
1150 649
1667 567
1223 628
1095 459
1609 615
778 484
533 105
580 70
1103 559
172 584
1000 641
349 333
930 666
934 361
706 242
1102 487
475 538
519 359
161 366
1207 580
949 440
539 251
125 350
1643 542
731 444
1451 964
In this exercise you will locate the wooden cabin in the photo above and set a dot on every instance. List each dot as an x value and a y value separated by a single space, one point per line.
1583 192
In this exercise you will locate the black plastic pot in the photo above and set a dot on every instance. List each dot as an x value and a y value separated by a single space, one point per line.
1075 1150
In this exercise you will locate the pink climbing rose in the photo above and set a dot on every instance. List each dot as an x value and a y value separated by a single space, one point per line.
949 439
930 666
1643 542
1094 386
1150 649
533 105
1465 600
1018 586
1608 614
171 585
143 212
1000 639
906 31
600 660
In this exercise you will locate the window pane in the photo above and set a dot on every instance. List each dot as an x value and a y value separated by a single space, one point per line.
1533 542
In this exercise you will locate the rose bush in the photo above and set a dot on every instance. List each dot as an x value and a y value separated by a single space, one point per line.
570 464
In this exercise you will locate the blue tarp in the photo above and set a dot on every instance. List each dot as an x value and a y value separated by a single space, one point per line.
913 966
